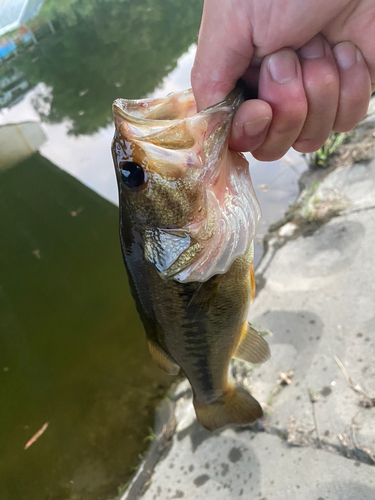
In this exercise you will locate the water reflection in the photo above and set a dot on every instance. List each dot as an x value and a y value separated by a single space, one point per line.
110 45
18 141
120 66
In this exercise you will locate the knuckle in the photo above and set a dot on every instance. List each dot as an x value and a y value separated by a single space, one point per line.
342 126
308 145
196 78
289 125
290 118
266 154
322 87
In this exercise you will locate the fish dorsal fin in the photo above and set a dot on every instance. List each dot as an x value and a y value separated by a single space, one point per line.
252 347
162 359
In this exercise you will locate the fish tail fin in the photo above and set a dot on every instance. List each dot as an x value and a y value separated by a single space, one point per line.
236 406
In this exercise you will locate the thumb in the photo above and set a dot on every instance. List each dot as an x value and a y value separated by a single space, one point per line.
224 51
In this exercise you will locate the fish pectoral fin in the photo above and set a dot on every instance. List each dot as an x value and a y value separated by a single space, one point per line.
252 347
205 293
162 359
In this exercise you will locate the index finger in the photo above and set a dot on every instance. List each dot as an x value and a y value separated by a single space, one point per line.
223 54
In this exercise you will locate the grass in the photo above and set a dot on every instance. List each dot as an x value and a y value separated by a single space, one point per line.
120 489
333 142
151 435
308 208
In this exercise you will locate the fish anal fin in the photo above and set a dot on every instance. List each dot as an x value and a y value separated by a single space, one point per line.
162 359
252 347
236 406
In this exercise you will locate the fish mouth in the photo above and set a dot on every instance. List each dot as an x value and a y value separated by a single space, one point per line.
156 112
168 135
120 108
166 111
157 127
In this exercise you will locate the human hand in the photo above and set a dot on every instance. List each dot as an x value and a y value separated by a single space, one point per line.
321 82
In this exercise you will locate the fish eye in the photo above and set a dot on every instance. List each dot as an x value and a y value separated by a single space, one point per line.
132 174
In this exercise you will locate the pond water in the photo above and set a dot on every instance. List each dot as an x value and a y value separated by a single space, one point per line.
72 348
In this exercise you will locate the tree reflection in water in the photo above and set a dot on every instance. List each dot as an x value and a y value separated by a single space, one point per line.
104 49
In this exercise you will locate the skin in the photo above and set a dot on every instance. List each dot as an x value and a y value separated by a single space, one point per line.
311 65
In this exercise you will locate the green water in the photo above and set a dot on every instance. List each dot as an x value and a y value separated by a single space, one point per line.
73 352
72 348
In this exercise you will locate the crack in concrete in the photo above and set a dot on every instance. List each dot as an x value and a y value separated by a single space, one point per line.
347 448
357 210
273 242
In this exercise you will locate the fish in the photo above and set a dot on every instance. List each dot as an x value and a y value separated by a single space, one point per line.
187 216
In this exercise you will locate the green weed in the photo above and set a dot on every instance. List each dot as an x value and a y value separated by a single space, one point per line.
151 435
333 142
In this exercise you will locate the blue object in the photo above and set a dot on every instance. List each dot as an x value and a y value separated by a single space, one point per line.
7 48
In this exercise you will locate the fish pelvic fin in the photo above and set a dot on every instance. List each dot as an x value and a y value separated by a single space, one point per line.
162 359
236 406
252 346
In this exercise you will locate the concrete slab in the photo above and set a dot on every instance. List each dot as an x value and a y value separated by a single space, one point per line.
235 465
353 184
319 300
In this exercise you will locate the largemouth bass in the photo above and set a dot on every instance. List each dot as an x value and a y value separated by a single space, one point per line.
188 215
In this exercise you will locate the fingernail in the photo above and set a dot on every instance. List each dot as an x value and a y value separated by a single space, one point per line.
346 54
282 67
313 49
256 127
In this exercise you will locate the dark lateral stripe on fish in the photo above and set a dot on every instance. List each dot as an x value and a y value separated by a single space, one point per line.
198 349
